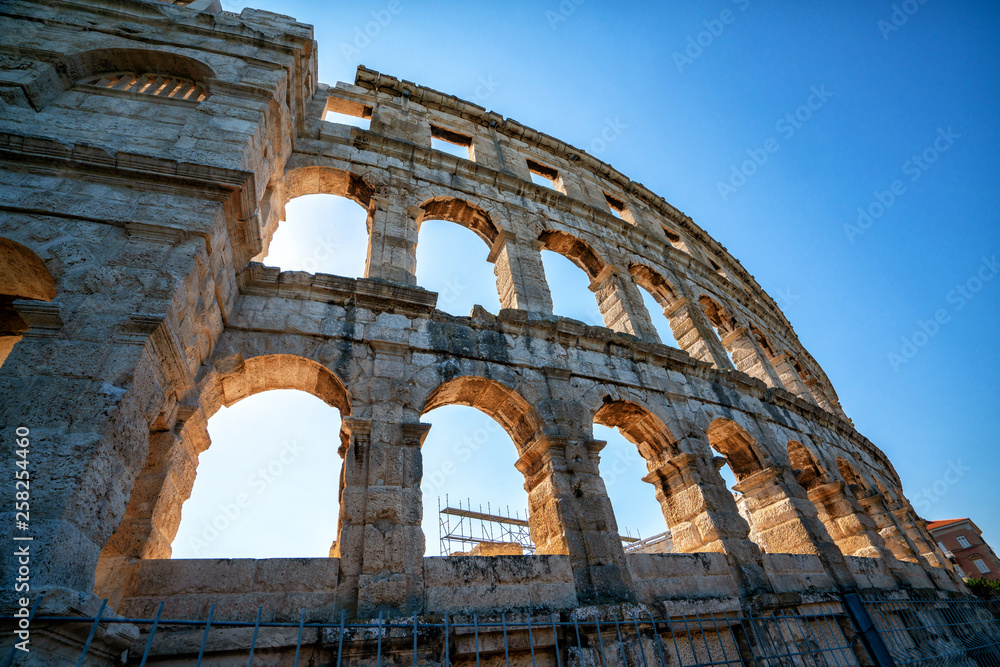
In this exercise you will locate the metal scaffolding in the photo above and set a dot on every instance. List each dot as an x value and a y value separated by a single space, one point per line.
460 528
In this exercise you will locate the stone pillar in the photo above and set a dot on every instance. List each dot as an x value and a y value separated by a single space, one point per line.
749 358
916 529
392 239
695 334
621 304
380 543
787 522
84 404
819 395
790 378
890 530
569 513
702 516
520 274
853 531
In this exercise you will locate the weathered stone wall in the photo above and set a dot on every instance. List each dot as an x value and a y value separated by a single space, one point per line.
149 212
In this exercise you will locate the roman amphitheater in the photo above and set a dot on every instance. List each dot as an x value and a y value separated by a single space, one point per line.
148 152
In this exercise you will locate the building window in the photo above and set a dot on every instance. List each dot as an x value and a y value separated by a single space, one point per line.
942 547
981 565
963 542
545 176
619 209
451 142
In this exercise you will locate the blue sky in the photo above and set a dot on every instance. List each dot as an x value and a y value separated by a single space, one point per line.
844 153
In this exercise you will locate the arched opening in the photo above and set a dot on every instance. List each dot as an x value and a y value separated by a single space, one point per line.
23 275
323 224
572 294
450 259
658 296
720 319
741 461
852 478
266 488
638 442
469 470
280 457
807 471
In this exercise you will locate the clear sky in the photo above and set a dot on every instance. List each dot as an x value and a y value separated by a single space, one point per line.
845 153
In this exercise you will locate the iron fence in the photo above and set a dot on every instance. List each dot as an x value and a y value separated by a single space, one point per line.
939 632
825 634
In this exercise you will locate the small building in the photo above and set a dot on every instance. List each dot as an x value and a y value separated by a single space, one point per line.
962 540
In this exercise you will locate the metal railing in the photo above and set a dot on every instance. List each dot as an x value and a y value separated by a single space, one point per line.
827 634
938 632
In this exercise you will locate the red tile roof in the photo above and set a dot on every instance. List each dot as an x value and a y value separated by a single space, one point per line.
931 525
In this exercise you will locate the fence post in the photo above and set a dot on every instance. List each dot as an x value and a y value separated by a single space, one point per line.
865 626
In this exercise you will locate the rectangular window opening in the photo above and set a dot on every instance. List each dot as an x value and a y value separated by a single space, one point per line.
451 142
982 566
618 208
963 541
347 112
545 176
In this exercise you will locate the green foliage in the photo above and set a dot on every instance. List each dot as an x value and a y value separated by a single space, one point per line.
984 588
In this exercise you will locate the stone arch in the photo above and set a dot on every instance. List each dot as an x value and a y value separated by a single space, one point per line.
301 180
153 513
640 426
574 249
718 316
851 476
495 399
23 275
807 469
462 212
763 341
325 180
737 445
278 371
654 283
101 61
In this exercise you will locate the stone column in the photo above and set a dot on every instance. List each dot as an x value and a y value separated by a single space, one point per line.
853 531
569 513
392 239
695 334
702 516
520 274
819 396
380 543
790 378
916 529
787 522
890 530
749 358
621 304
